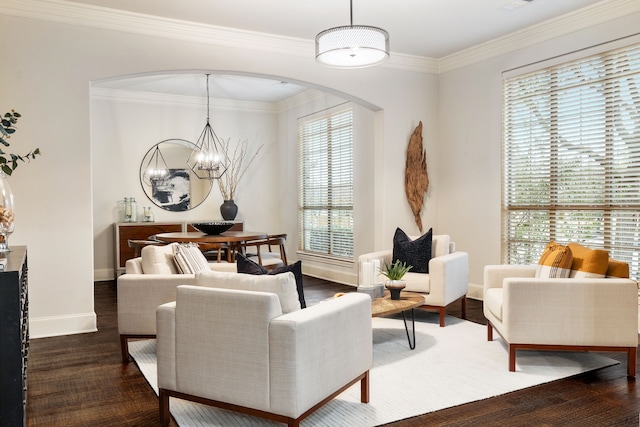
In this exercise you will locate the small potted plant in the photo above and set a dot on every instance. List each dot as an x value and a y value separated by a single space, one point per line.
395 272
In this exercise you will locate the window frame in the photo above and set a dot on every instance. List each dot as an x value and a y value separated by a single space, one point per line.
595 91
325 216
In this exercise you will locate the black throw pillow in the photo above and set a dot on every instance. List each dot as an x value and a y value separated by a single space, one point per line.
416 253
246 266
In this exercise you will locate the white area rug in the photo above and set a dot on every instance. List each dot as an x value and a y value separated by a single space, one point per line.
450 366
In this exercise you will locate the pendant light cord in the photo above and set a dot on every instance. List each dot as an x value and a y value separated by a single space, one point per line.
351 11
207 98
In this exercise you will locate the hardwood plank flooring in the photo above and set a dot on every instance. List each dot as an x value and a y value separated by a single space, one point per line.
79 380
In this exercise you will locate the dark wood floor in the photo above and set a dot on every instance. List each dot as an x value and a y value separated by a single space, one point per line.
79 380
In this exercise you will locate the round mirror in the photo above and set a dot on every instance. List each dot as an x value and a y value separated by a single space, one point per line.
167 179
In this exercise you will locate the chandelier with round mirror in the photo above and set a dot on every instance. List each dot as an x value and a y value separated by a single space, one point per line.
168 181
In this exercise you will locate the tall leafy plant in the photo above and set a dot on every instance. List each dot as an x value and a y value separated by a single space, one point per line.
9 161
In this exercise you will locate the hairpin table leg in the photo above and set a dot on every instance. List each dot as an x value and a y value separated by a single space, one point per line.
412 342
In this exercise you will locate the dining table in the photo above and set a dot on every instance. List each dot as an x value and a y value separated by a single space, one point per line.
235 240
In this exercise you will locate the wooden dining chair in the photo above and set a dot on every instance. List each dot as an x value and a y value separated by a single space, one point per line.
217 251
269 252
137 245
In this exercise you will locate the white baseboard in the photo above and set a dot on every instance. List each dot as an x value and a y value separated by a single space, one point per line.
103 275
341 277
42 327
475 291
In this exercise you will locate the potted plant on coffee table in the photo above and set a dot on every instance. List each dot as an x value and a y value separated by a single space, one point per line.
394 273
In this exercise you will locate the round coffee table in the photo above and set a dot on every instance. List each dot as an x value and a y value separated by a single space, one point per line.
387 306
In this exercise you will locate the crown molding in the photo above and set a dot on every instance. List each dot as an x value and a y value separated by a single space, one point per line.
67 12
167 99
595 14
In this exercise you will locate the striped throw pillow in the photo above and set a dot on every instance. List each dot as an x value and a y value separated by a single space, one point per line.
555 261
189 258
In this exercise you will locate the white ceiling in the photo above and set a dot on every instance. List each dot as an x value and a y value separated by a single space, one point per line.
429 28
425 28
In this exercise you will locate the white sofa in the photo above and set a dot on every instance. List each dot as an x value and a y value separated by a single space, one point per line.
447 280
140 294
574 314
235 349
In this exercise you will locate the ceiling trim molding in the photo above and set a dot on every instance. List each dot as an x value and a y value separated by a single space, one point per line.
589 16
66 12
169 99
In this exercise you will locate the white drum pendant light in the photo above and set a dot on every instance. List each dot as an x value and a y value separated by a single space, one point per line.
352 46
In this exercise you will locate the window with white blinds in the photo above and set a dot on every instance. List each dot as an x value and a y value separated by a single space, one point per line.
325 199
571 161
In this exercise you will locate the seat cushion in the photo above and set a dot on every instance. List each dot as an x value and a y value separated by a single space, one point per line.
588 262
415 253
248 266
417 282
158 259
283 285
493 301
554 262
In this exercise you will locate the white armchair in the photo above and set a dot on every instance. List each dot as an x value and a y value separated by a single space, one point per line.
447 280
235 349
574 314
139 295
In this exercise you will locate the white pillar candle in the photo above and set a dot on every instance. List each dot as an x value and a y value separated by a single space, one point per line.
377 277
367 277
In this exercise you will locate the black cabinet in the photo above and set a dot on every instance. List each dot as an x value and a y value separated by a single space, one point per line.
14 336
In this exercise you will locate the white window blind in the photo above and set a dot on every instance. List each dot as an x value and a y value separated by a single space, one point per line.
325 199
571 161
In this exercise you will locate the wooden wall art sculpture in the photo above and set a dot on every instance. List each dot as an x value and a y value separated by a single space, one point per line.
416 178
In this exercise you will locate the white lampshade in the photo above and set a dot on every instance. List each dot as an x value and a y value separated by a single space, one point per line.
352 46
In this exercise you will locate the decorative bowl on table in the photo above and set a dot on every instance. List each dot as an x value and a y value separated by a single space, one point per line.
213 227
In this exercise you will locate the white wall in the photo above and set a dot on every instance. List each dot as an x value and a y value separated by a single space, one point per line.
469 185
47 77
125 125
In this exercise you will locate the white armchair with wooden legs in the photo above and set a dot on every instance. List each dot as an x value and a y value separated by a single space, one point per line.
447 280
573 314
236 350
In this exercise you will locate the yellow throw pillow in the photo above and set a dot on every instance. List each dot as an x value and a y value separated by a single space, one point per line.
618 269
555 261
588 262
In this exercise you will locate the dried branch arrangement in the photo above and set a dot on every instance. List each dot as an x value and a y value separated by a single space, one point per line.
239 162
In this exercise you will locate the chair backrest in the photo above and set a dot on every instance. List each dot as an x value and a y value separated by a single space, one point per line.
441 244
276 240
215 250
133 266
137 245
222 344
